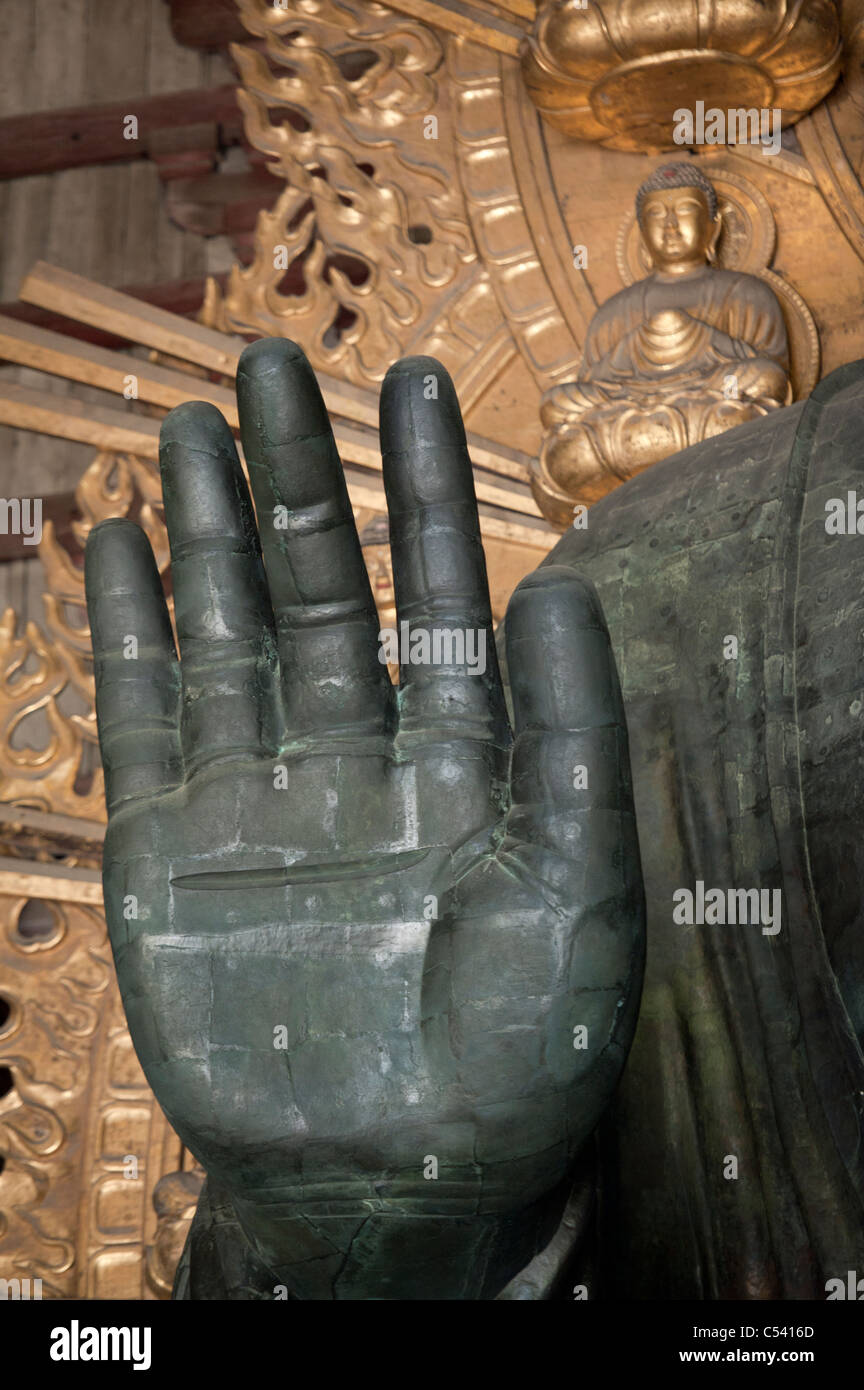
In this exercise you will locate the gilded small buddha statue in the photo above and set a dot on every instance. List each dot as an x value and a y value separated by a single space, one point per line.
686 353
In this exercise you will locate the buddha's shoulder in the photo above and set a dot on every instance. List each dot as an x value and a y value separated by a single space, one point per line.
743 283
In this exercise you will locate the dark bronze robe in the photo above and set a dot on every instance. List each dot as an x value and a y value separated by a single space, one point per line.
748 772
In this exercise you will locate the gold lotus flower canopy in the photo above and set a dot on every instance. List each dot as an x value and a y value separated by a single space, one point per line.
615 71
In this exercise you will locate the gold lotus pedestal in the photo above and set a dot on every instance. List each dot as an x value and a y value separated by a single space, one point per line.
616 71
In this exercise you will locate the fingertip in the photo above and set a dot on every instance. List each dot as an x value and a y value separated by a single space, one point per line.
268 354
559 653
556 589
278 397
417 364
419 406
99 533
195 425
276 372
113 547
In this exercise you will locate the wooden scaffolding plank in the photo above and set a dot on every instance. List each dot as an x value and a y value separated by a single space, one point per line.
126 432
112 311
47 351
109 371
79 298
25 878
62 416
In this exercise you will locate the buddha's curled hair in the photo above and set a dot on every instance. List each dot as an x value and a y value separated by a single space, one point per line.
679 175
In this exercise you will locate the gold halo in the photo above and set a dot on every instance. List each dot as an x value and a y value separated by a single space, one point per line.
803 335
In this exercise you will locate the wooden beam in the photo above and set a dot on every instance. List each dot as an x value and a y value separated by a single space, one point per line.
223 204
151 327
51 824
126 432
354 409
183 297
519 531
111 310
116 372
108 371
46 141
65 418
106 428
115 311
26 878
523 9
206 23
361 446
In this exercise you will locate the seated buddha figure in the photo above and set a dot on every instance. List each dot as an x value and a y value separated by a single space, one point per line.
686 353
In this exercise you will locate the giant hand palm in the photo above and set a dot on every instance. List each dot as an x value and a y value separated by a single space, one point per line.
381 976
